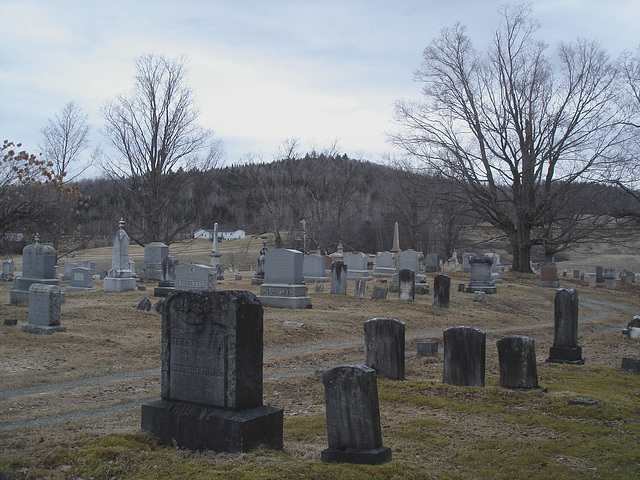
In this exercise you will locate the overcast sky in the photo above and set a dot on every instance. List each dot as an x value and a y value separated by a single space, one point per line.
263 71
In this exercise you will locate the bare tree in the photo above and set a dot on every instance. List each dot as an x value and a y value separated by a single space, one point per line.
65 137
161 148
512 127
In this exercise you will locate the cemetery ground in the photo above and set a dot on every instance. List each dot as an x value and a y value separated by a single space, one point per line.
70 402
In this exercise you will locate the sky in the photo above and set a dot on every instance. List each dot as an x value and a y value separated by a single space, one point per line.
262 71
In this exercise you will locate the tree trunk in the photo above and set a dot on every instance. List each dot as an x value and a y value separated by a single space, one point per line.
521 244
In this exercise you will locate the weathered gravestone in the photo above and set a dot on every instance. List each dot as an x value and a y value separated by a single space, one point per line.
384 345
599 275
495 264
406 285
44 310
565 347
549 276
517 359
144 304
379 292
385 265
168 282
353 416
427 348
121 277
196 278
283 285
441 291
154 254
466 266
357 266
90 265
38 266
480 280
7 270
81 279
212 355
361 286
258 277
465 353
431 262
66 275
313 268
339 278
631 365
592 280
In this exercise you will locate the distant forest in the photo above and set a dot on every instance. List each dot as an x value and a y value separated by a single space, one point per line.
319 199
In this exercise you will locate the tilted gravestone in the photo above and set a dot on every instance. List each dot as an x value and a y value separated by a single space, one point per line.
44 310
212 347
441 291
565 347
353 416
517 359
339 278
406 285
283 285
384 346
465 353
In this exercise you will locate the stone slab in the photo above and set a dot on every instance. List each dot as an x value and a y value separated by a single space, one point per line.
42 329
117 285
374 456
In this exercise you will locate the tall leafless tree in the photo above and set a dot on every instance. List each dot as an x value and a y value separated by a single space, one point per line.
514 128
161 147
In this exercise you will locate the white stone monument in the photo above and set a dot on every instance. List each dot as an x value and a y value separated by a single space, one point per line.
120 278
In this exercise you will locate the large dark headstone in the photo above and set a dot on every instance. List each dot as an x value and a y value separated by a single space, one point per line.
407 285
384 346
379 292
565 347
353 416
441 291
212 375
465 353
517 358
339 278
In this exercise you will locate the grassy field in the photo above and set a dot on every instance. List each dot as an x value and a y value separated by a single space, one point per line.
70 402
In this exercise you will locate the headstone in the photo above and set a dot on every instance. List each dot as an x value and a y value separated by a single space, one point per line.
427 348
431 262
168 282
410 259
7 270
385 265
441 291
461 287
478 296
592 281
38 266
406 285
610 283
576 273
379 292
90 265
313 268
495 264
480 280
384 345
628 278
196 278
121 277
319 287
154 254
353 416
466 266
599 275
145 304
632 330
81 279
549 276
67 270
357 266
103 274
565 347
361 286
339 278
283 285
609 273
517 359
465 352
258 277
212 354
44 310
142 288
631 365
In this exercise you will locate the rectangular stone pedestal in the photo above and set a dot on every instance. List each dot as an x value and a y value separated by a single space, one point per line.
117 285
42 329
374 456
571 355
198 427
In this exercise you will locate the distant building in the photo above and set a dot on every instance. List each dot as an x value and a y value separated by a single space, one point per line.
223 235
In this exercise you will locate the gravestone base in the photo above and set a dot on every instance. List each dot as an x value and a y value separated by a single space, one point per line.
374 456
484 287
42 329
164 290
117 285
422 288
198 427
549 283
284 296
568 355
77 289
19 293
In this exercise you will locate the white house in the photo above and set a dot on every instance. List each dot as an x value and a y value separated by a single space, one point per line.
223 235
